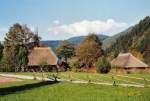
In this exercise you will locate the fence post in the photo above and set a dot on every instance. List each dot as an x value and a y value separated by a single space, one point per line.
145 82
34 76
88 78
42 75
55 77
114 82
70 78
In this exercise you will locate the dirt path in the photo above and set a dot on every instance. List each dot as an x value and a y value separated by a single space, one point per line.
64 80
23 77
7 79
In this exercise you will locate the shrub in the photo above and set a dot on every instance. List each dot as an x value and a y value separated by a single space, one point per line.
75 65
103 65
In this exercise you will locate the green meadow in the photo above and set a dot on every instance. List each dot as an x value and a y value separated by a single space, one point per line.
33 90
74 92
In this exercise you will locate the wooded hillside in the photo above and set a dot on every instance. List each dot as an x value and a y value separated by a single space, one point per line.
136 41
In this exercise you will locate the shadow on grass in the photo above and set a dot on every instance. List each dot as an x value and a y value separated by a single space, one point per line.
13 89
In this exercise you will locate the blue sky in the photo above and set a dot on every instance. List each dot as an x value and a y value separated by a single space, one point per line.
61 19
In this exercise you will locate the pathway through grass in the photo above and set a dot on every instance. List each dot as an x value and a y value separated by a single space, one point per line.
138 79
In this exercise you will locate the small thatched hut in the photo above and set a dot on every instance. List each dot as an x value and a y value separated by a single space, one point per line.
129 63
42 56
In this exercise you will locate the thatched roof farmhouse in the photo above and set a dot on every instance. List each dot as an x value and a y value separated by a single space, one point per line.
129 62
42 56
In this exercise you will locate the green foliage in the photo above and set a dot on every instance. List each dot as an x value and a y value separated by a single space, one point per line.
136 39
21 57
75 65
123 43
111 40
102 65
1 51
18 35
145 41
65 50
17 46
147 48
5 62
14 58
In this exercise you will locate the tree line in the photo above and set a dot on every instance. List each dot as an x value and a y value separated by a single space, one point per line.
20 40
88 53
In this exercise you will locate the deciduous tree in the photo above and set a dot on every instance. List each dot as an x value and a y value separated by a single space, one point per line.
89 50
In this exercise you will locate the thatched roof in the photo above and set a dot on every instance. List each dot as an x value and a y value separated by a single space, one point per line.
127 60
42 56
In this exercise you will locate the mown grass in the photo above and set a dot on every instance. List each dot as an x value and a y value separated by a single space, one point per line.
75 92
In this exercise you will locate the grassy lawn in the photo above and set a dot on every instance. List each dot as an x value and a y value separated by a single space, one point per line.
74 92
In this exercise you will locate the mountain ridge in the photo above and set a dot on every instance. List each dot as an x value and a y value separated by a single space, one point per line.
74 40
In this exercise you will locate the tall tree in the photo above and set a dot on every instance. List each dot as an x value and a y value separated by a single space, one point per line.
21 35
6 64
17 44
89 50
65 50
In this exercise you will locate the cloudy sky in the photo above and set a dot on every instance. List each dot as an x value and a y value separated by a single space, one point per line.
61 19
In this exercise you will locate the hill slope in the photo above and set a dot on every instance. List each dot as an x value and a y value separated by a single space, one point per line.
137 41
52 43
75 40
78 39
110 40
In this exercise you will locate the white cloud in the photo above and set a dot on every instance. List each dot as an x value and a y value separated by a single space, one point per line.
85 27
56 22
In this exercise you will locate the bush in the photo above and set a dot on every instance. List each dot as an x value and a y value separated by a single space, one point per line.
103 65
76 65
